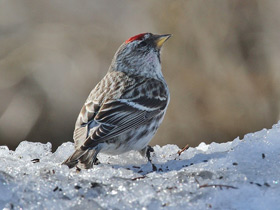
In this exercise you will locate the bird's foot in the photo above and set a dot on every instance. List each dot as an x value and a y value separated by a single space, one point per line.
148 152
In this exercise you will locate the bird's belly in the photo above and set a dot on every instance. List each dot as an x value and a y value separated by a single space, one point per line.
122 147
136 139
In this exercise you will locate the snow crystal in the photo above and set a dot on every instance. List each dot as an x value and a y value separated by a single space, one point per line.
203 147
242 174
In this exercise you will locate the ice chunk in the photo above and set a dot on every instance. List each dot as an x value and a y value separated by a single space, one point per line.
242 174
33 150
203 147
63 152
5 189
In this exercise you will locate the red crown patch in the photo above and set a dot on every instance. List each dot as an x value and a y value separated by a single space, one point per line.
137 37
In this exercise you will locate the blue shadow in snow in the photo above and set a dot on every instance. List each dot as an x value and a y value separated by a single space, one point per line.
172 165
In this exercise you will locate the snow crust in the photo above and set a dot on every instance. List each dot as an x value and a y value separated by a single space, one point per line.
242 174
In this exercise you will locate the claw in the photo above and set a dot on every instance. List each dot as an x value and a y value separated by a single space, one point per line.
148 152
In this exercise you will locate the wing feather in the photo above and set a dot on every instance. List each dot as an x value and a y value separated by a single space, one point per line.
137 105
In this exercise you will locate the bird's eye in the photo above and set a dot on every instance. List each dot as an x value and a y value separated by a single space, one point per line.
142 44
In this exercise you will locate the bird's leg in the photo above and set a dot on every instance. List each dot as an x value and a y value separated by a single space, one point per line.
146 152
148 149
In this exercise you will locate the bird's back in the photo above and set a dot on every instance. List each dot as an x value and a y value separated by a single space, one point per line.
136 91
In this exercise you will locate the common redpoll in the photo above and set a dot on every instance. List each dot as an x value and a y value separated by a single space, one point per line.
125 109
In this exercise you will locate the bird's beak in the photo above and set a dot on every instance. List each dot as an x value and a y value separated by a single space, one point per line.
160 39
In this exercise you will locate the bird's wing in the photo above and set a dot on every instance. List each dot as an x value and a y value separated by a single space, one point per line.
139 102
109 87
85 123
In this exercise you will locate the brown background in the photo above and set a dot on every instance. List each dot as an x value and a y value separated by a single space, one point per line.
222 64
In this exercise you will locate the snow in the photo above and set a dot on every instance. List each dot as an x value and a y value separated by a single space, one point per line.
242 174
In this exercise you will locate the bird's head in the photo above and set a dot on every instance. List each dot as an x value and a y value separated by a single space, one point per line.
140 54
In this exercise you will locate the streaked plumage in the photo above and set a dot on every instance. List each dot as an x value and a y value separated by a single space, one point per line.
125 109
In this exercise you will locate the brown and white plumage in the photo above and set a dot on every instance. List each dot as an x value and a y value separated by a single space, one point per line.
125 109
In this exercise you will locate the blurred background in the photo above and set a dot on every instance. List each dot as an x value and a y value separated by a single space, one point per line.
222 64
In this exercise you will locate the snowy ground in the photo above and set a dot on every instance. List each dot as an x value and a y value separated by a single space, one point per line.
242 174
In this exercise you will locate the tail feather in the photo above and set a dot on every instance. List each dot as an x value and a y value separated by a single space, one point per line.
83 158
88 159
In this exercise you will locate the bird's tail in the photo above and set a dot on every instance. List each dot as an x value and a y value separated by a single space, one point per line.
82 158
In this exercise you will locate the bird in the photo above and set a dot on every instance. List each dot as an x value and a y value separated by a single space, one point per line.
125 109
